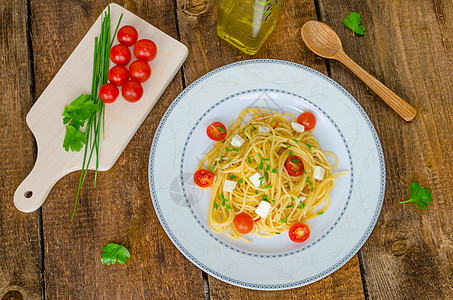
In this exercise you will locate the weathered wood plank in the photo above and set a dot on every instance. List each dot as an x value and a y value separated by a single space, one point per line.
20 261
197 23
119 209
408 46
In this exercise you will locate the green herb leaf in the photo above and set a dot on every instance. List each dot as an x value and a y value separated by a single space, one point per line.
216 205
419 195
240 181
353 22
74 139
274 170
319 213
221 129
79 111
112 253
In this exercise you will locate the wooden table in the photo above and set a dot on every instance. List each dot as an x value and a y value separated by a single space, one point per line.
408 45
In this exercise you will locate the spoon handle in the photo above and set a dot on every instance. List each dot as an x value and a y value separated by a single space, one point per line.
403 108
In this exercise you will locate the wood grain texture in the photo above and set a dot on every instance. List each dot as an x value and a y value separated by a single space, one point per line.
119 209
20 258
408 46
197 25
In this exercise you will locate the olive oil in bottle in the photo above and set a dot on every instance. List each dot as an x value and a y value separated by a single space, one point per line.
247 23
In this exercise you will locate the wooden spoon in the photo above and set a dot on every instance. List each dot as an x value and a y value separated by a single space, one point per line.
323 41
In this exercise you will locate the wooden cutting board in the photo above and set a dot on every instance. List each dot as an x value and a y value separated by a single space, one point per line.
122 118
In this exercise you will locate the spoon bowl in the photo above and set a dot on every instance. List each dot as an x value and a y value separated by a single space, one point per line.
323 41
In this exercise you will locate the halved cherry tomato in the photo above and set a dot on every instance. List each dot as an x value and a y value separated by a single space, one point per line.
145 49
216 131
132 91
120 54
203 178
294 166
118 75
139 70
243 223
299 233
108 92
307 119
127 35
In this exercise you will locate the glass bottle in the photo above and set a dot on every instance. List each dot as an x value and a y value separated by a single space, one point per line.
247 23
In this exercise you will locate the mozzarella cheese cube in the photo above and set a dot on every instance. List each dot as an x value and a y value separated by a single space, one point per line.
319 173
263 209
237 141
229 186
255 179
298 127
301 198
263 129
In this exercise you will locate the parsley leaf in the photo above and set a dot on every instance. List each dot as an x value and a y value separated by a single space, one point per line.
74 139
75 116
353 22
112 253
419 195
78 112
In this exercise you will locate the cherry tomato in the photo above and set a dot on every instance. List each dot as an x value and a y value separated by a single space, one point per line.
132 91
108 92
127 35
243 223
307 119
140 70
216 131
203 178
294 166
299 233
145 49
120 54
118 75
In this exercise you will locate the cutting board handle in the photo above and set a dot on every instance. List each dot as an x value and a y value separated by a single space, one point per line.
33 191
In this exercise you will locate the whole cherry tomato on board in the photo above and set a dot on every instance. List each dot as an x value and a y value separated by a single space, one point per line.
203 178
216 131
294 166
299 233
140 70
120 54
307 119
108 92
118 75
132 91
127 35
243 223
145 49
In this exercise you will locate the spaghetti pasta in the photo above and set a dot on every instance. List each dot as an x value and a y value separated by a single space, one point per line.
269 143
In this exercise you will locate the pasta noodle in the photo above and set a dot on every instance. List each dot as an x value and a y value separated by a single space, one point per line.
293 199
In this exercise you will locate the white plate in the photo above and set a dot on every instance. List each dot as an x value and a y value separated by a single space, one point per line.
343 128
